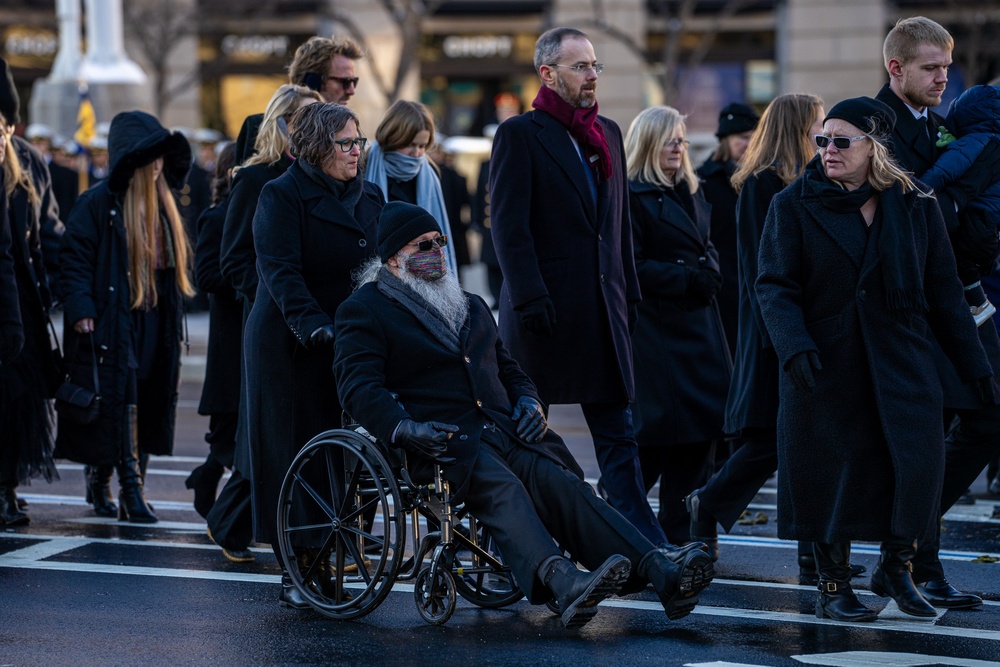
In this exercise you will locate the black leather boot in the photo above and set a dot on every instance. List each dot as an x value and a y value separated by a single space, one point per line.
131 500
704 527
204 481
677 582
99 490
837 600
808 574
290 597
892 578
10 515
578 592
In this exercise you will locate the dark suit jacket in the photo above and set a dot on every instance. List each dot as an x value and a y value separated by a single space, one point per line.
383 348
553 239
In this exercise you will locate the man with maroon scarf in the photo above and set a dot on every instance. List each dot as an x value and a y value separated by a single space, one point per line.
560 223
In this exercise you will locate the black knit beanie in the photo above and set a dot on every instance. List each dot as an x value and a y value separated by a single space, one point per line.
399 224
869 115
736 118
10 103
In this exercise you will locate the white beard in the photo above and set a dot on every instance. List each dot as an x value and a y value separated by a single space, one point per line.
444 295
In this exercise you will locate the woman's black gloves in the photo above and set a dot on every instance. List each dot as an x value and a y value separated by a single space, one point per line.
530 419
322 337
428 439
538 315
704 284
986 391
801 367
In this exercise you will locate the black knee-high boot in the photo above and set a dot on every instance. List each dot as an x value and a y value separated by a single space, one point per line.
836 597
99 490
131 500
892 578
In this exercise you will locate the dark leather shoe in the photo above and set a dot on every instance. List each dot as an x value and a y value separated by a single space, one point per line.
578 592
10 515
290 597
939 593
837 601
704 528
896 582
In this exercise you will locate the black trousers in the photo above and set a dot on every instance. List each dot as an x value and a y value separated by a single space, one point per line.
731 490
231 517
968 449
530 503
681 469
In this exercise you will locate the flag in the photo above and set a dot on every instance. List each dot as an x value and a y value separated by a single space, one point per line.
86 120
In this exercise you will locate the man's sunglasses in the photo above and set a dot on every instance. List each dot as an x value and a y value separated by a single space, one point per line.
345 81
842 143
424 246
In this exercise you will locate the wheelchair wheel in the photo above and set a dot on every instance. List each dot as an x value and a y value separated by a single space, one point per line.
481 577
341 534
435 595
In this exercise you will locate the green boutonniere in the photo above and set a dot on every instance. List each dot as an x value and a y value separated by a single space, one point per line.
945 137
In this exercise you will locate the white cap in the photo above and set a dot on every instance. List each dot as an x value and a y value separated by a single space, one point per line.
206 135
38 131
186 131
103 129
99 142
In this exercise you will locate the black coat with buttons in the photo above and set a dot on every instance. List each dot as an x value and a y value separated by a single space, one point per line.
307 244
94 275
390 367
682 364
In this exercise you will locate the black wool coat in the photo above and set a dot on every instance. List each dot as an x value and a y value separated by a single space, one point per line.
682 364
862 456
721 196
382 349
752 402
221 391
11 328
552 239
238 257
307 245
94 278
50 223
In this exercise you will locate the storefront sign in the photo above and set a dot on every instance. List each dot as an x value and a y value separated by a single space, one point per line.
483 46
254 47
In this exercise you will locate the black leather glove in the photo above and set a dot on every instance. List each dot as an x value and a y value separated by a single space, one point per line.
633 317
429 439
801 367
977 177
984 386
703 284
975 241
538 316
530 418
322 337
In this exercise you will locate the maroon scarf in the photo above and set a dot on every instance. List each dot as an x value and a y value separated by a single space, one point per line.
582 125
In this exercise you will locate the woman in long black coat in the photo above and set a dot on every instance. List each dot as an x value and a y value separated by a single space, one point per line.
314 225
28 379
125 262
855 268
682 363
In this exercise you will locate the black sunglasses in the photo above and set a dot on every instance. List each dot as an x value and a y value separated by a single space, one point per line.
842 143
424 246
345 81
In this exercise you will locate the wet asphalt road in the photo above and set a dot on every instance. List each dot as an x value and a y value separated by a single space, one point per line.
76 589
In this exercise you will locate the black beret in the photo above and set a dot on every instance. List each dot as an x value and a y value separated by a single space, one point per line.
869 115
10 102
736 118
399 224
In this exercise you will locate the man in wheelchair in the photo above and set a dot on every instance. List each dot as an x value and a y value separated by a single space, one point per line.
409 329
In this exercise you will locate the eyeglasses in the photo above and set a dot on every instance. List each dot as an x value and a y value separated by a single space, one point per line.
424 246
347 144
842 143
676 143
581 69
345 81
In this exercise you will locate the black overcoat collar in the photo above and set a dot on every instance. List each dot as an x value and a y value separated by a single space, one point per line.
323 205
674 214
909 129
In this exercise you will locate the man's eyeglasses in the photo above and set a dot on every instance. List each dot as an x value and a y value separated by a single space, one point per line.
842 143
676 143
345 81
347 144
424 246
581 69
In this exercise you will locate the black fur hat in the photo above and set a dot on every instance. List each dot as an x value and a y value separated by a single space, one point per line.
10 102
135 139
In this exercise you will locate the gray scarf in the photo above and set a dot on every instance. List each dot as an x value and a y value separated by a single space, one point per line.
396 289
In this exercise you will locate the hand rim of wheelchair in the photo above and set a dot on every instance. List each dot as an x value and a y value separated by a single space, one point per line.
367 587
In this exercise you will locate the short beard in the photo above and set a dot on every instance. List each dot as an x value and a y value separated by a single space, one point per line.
921 99
444 295
578 102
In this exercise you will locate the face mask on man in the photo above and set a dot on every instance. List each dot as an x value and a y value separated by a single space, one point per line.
427 265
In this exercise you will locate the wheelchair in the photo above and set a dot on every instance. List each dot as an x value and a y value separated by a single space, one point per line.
343 533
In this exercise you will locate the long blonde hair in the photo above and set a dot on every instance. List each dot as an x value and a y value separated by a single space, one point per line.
782 140
272 142
144 199
644 141
14 174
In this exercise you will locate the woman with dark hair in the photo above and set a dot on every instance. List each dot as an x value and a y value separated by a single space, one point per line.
125 261
399 165
855 270
313 227
29 375
682 363
220 393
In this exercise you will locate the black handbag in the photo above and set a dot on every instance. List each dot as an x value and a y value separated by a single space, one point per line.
79 404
